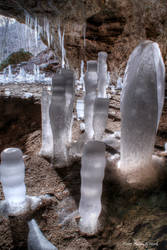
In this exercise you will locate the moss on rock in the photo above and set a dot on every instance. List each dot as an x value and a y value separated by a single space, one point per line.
15 58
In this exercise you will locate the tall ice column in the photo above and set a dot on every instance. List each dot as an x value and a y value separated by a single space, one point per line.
102 74
47 137
141 107
90 95
100 117
69 95
92 173
57 112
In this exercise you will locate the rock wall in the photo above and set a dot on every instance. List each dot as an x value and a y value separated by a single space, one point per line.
114 26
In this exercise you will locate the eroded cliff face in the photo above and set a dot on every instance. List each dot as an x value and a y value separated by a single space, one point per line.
114 26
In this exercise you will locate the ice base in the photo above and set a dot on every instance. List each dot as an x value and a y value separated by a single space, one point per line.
14 208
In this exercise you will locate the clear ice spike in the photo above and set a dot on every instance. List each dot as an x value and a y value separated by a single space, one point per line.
100 117
36 239
93 164
47 137
57 113
141 106
12 172
102 74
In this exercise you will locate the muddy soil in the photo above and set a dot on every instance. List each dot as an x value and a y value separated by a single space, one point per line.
130 219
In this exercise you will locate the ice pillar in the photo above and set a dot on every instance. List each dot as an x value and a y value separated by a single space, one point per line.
12 176
102 74
47 137
141 107
100 117
36 239
90 95
57 112
69 96
92 173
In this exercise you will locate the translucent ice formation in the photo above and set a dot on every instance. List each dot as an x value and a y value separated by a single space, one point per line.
47 137
24 77
63 51
69 96
36 239
92 174
165 147
102 74
100 117
80 109
12 176
10 75
141 107
119 83
57 112
90 95
81 80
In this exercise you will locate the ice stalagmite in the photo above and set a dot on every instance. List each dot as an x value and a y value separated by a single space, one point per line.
47 137
102 74
80 109
141 107
57 112
69 96
90 95
12 176
92 173
36 239
100 117
160 75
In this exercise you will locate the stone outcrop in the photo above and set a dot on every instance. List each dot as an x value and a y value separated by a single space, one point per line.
114 26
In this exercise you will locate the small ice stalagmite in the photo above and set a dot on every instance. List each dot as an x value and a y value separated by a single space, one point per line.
141 107
57 113
119 83
100 117
69 96
22 75
36 239
47 137
10 75
90 95
80 109
92 173
102 74
12 172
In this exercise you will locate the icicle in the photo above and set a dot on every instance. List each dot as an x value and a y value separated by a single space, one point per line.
47 29
63 51
36 31
59 35
84 34
82 75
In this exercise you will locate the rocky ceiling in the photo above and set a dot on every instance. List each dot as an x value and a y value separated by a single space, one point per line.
114 26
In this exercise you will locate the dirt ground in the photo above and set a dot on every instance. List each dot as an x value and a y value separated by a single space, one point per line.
130 219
